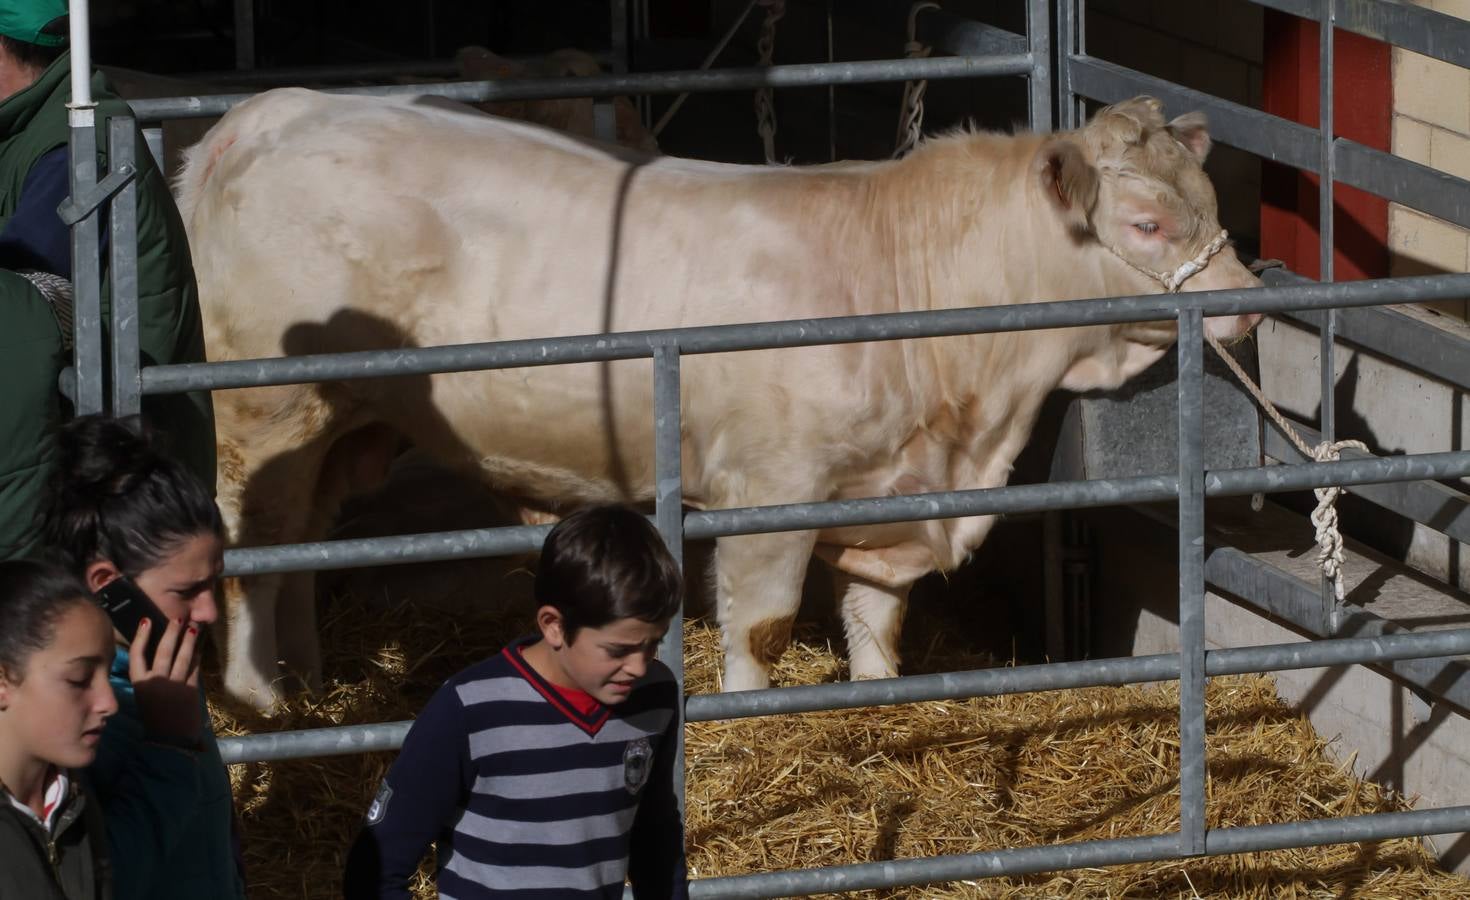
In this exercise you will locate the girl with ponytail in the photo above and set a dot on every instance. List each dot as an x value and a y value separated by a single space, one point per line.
117 509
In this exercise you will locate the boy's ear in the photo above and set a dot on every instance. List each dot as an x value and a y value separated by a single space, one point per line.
99 573
549 622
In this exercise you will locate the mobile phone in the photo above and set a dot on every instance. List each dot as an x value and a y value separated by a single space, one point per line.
127 605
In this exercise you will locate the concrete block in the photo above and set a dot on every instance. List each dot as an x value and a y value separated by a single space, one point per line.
1425 245
1431 91
1411 139
1240 31
1392 409
1460 9
1449 152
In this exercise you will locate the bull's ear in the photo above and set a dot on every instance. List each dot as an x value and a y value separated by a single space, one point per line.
1192 130
1068 181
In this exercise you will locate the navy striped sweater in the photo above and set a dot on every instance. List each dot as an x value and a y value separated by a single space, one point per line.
528 798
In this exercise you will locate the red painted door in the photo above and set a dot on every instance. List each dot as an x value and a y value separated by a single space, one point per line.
1363 113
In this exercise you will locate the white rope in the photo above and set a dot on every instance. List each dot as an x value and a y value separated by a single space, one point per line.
1324 517
911 110
765 107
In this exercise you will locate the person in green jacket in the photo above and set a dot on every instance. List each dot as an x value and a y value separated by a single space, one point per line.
35 257
55 650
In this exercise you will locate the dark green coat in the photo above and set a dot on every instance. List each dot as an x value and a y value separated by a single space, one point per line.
32 123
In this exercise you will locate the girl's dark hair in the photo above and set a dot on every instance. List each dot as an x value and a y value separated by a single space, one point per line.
33 596
606 563
114 497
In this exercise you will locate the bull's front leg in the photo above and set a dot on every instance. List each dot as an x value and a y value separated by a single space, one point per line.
250 665
872 618
758 584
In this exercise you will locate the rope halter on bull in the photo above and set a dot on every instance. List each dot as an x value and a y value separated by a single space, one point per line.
1324 517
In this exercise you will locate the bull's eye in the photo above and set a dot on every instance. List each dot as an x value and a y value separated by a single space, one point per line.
1146 227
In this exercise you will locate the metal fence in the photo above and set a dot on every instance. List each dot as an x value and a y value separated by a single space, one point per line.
976 50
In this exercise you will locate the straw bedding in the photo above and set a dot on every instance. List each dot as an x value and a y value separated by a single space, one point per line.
828 788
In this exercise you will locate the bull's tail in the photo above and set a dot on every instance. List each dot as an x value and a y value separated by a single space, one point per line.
262 114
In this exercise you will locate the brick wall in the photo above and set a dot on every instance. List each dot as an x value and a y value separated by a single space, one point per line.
1431 125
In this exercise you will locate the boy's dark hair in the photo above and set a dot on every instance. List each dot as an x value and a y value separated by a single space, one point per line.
114 497
33 595
606 563
36 56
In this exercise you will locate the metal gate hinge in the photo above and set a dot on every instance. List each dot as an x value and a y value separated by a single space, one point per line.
72 211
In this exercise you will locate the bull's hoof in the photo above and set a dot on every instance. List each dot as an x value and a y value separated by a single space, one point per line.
259 695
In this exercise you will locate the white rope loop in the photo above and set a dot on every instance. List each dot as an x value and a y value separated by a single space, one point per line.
1324 517
765 106
911 111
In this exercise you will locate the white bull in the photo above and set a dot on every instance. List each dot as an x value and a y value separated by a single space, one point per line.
327 223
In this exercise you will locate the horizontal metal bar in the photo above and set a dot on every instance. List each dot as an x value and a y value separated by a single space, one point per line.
1404 181
1405 339
1068 675
1263 134
1442 508
864 511
341 740
1083 854
958 36
994 682
792 333
1415 28
446 68
691 81
1295 601
1280 140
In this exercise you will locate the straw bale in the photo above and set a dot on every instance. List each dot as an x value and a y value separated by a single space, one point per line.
841 787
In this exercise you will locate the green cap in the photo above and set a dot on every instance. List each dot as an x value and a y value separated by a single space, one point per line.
26 21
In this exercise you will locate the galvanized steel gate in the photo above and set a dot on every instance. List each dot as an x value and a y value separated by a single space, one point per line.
974 50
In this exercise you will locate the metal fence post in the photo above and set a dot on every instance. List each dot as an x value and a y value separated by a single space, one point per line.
127 384
86 273
669 513
1192 768
1038 85
1327 171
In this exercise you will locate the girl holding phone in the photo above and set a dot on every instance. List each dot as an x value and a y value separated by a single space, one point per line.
120 511
55 650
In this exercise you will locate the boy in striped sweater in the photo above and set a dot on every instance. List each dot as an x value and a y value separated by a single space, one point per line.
545 772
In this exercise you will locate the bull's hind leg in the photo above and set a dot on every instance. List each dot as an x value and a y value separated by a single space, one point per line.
872 617
758 583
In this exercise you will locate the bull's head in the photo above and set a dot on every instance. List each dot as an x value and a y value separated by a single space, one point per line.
1133 187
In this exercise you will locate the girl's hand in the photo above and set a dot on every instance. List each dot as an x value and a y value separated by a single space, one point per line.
167 686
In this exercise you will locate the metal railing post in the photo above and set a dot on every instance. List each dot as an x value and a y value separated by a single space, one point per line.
127 383
669 514
1066 45
1192 768
1038 84
1327 172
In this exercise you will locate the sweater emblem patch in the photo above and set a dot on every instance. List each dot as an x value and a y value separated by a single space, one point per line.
379 809
637 759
